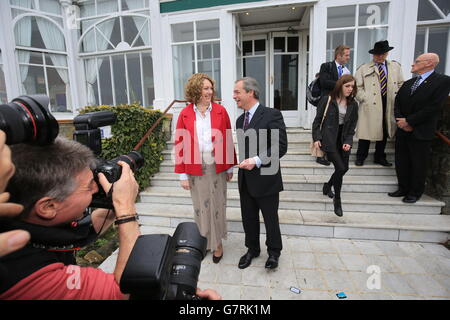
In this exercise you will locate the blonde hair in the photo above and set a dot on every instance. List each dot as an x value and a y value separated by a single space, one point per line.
194 86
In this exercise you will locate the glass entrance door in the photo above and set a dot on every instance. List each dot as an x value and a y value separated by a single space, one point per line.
273 60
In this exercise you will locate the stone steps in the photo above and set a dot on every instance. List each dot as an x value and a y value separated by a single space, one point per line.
312 168
369 213
305 182
309 200
308 223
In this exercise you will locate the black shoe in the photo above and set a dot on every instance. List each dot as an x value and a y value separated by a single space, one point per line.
410 199
272 262
383 162
246 260
337 207
398 193
323 161
359 162
217 259
326 190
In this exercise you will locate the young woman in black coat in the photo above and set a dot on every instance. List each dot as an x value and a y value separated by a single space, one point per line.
335 137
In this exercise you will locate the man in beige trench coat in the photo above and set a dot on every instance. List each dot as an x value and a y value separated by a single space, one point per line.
378 83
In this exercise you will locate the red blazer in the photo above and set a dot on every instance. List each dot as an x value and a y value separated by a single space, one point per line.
187 152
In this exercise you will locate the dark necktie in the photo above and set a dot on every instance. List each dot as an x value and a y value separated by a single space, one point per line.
415 84
246 120
383 80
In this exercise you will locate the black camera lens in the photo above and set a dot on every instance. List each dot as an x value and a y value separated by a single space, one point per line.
26 119
134 159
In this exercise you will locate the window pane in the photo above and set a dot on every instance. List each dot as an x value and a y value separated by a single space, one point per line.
87 9
132 4
106 6
131 27
426 11
50 6
24 4
204 51
149 87
420 42
216 50
286 82
292 44
438 43
182 32
57 90
366 40
255 67
104 74
120 83
279 44
35 80
247 48
35 57
90 67
108 30
183 61
260 46
444 5
208 29
373 14
3 97
134 78
47 33
338 17
216 77
58 60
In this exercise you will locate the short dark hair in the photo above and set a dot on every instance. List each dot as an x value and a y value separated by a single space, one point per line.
47 171
336 92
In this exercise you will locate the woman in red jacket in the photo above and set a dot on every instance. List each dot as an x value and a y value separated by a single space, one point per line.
205 156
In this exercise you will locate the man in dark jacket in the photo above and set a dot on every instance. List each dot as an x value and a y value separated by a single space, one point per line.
329 73
262 142
417 107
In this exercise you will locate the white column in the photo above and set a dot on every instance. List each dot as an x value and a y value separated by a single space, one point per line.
7 45
76 69
228 63
162 98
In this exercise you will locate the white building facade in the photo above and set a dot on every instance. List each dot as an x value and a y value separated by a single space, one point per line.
91 52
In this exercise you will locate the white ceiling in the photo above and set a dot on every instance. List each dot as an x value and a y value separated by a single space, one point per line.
271 15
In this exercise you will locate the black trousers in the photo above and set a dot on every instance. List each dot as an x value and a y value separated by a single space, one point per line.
380 146
340 160
411 162
250 207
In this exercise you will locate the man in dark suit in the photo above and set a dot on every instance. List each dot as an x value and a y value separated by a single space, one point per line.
417 107
329 74
262 141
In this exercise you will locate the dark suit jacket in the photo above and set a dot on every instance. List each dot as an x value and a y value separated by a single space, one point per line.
329 133
423 108
328 75
260 185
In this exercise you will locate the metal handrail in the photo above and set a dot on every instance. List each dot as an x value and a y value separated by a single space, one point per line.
150 131
444 138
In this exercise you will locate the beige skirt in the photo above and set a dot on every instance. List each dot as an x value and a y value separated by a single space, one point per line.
209 198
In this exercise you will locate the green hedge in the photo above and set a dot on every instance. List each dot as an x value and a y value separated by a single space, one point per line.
132 123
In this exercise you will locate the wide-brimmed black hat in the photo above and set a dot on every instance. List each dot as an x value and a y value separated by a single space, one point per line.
380 47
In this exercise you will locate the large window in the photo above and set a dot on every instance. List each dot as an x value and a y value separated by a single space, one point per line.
116 50
358 26
3 97
433 31
195 48
41 51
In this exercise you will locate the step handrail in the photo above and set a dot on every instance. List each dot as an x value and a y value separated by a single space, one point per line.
444 138
150 131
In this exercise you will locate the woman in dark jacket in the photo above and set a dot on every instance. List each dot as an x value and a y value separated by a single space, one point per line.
335 136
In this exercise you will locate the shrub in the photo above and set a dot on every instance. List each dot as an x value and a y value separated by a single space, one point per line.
132 123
